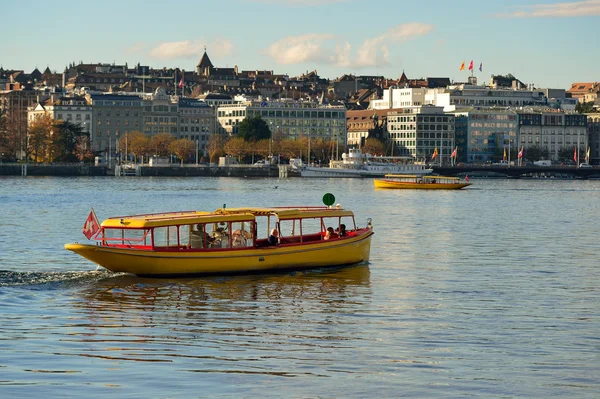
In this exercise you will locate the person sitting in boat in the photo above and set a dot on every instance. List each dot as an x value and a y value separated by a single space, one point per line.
342 231
241 237
200 238
274 237
329 234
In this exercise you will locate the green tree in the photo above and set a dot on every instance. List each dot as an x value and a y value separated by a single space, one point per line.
565 154
584 108
253 129
64 137
535 153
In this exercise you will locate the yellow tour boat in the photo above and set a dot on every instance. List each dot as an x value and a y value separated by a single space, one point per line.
228 240
415 182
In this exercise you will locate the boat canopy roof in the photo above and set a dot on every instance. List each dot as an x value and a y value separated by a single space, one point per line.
286 213
428 177
173 219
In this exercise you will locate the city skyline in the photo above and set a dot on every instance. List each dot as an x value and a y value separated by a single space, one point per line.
548 44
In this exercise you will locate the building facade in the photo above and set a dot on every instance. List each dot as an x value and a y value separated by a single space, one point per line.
196 122
486 133
418 131
291 119
553 131
112 117
75 110
593 121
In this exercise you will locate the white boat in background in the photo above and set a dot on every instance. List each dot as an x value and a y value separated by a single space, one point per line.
357 164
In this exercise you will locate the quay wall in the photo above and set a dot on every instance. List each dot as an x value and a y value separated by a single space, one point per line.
52 170
166 171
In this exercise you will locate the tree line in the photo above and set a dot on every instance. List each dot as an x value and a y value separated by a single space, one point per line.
50 140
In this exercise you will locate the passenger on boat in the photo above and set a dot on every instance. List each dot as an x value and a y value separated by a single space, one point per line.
330 234
241 237
200 238
274 237
343 232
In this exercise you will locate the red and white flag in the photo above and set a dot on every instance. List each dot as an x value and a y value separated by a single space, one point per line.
453 155
521 152
471 65
180 85
91 226
466 177
575 154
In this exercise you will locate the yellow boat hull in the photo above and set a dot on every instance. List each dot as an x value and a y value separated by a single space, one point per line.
154 263
419 186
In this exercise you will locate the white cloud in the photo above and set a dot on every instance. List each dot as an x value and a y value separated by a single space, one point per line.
191 49
314 47
375 51
583 8
298 49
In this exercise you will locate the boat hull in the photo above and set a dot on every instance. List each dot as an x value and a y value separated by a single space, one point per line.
295 256
419 186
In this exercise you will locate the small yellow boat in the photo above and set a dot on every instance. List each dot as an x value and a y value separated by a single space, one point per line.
228 240
414 182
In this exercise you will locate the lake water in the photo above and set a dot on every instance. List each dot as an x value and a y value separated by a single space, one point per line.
492 292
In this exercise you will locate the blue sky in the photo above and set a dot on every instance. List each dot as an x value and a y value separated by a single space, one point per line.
544 42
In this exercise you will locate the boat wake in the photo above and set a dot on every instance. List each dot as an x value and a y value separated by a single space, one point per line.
13 278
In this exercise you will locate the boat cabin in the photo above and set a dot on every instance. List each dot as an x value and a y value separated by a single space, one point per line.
226 228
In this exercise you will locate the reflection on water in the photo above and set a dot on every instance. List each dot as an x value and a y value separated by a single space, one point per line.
487 292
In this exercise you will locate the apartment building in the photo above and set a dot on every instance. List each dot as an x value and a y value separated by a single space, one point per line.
552 130
292 119
417 131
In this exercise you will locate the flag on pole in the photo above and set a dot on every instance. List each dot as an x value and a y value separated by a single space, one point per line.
462 66
521 152
453 155
587 156
575 154
504 157
91 225
180 85
481 67
466 177
471 65
435 153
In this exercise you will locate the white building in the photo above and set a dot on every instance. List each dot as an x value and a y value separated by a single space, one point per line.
290 118
417 131
467 95
69 109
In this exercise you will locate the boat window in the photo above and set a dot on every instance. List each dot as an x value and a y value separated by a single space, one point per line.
165 236
312 226
129 237
184 234
264 224
289 229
